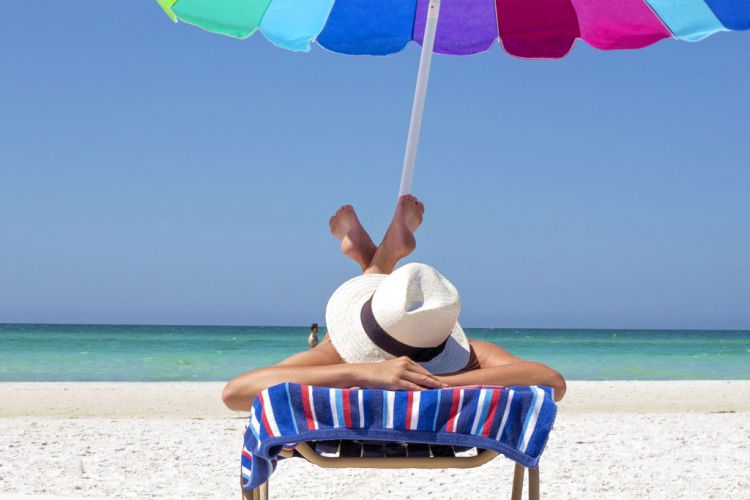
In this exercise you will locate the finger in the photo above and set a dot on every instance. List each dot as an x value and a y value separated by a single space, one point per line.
426 381
416 367
439 383
405 385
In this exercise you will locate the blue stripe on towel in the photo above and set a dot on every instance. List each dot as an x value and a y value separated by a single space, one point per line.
322 407
427 401
468 410
444 410
283 412
340 406
437 410
377 402
295 401
399 409
512 426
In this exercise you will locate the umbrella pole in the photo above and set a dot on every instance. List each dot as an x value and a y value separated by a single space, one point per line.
420 93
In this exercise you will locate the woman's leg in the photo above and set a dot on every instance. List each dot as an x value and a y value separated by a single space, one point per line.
399 240
355 242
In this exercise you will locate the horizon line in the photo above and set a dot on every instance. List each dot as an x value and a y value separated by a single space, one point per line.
324 326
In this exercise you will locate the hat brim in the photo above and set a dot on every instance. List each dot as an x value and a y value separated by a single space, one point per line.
354 346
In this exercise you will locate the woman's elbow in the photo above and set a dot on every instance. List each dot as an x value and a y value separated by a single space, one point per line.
558 384
544 375
239 393
231 396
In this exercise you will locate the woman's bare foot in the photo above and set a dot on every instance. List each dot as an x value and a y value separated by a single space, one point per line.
355 242
399 239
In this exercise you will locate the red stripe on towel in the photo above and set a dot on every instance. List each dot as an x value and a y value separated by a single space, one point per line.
247 455
306 404
409 399
347 408
491 414
451 425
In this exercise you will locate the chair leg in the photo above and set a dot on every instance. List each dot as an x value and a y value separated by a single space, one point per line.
534 484
259 493
256 493
248 495
518 482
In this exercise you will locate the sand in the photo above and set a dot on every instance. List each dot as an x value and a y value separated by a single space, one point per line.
684 439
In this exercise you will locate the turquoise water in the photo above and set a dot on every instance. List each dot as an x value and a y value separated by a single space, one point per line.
149 353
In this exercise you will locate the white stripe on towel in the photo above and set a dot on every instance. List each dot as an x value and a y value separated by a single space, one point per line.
391 398
268 408
480 407
361 401
334 411
254 422
414 411
460 407
505 415
312 407
534 416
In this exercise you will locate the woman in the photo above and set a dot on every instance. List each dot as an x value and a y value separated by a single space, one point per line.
312 340
369 336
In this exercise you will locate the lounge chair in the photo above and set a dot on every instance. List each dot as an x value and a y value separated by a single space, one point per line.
437 429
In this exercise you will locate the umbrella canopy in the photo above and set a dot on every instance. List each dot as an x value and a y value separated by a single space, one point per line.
525 28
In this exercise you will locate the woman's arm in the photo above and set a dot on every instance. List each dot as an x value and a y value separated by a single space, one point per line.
322 366
318 366
499 367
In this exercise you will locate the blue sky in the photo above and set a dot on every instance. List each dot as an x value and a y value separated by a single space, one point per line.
152 173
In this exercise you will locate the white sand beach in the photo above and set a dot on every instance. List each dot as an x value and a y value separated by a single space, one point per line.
683 439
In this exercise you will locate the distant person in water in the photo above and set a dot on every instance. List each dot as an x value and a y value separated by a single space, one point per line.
312 340
395 330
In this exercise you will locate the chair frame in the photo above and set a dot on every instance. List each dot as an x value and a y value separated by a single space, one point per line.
304 449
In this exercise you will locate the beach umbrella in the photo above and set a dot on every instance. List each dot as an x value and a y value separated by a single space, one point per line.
537 29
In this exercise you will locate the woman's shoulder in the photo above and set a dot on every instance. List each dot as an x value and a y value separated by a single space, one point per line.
323 354
489 354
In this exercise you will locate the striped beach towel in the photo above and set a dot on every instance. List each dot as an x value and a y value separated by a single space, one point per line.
514 421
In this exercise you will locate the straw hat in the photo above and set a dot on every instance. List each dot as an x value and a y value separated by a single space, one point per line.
411 312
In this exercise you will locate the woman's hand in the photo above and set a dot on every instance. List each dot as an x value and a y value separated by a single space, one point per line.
400 374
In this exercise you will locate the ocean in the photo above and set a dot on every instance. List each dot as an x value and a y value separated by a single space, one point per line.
203 353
